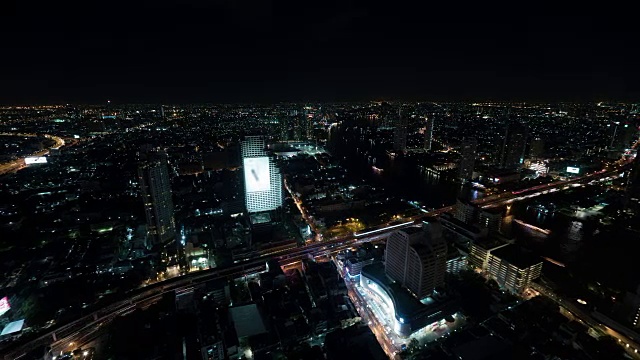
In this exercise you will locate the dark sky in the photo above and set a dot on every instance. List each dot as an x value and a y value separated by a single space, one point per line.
254 50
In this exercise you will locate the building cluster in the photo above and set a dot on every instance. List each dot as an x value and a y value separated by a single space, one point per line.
97 201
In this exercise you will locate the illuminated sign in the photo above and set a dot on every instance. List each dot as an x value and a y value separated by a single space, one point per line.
35 160
256 174
573 170
12 327
4 305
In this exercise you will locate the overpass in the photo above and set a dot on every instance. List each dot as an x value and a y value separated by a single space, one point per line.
61 337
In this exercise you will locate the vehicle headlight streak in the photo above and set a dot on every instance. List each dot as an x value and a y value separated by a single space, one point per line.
357 235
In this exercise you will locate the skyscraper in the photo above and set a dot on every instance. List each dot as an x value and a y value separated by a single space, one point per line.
537 148
513 146
417 258
633 186
491 219
262 180
155 186
468 159
428 133
465 211
622 135
400 132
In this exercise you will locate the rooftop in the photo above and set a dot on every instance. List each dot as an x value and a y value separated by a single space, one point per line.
448 218
405 303
517 256
247 320
489 243
412 230
260 218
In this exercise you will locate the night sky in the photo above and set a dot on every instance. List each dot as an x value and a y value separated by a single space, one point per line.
267 51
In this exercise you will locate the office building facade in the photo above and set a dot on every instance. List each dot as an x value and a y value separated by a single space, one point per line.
465 211
514 269
262 179
491 219
400 133
417 258
155 187
537 148
632 196
513 146
468 159
480 252
428 133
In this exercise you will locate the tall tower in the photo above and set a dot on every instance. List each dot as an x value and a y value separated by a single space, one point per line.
155 186
513 146
428 133
622 135
262 179
633 186
537 148
417 258
400 132
468 159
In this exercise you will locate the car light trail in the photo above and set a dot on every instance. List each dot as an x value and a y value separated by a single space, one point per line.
382 229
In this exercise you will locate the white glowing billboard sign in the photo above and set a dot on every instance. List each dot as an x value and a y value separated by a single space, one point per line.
573 170
35 160
256 174
4 305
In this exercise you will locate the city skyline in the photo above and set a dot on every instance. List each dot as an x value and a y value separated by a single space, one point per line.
338 179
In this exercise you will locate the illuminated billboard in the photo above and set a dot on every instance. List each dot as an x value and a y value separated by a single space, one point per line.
35 160
4 305
573 170
12 327
256 174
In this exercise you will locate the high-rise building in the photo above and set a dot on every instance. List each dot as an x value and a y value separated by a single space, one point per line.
262 179
465 211
633 185
513 146
428 133
491 219
417 258
468 159
622 135
629 308
155 186
537 148
400 132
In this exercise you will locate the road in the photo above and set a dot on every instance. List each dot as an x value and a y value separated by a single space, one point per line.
387 339
62 336
19 164
630 346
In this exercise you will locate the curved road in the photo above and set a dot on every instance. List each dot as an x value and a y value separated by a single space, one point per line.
19 164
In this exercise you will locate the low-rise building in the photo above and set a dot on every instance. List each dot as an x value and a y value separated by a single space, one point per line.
480 251
514 268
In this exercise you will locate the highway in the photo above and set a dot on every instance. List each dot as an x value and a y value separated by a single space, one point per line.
19 164
60 337
629 345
